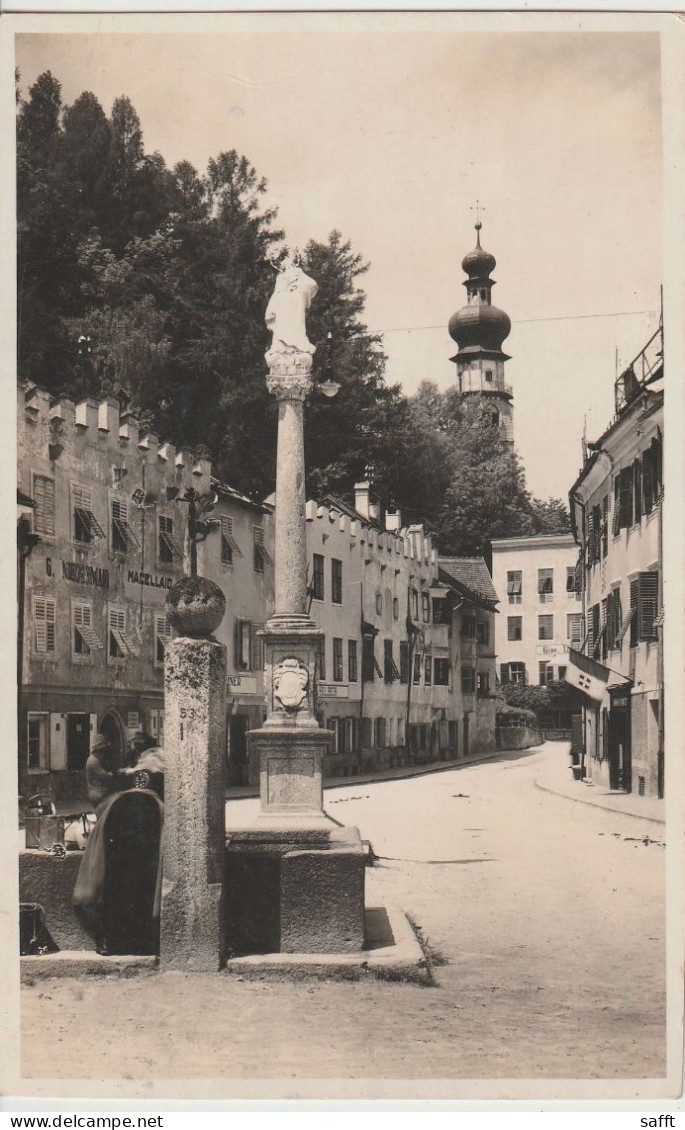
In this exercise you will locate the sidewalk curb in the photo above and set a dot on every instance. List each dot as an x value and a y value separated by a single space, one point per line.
598 804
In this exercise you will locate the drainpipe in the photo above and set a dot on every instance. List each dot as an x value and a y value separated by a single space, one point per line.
26 543
661 767
583 605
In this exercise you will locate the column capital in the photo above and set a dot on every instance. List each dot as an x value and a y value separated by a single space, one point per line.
289 375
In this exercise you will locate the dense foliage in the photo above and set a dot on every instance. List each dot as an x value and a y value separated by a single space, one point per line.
151 283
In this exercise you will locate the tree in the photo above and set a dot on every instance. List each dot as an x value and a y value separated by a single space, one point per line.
487 496
551 516
46 259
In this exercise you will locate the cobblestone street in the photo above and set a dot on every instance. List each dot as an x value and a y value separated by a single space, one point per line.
546 918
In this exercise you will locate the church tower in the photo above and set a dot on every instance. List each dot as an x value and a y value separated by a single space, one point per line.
479 329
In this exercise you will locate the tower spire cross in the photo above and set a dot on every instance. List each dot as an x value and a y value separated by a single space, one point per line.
477 208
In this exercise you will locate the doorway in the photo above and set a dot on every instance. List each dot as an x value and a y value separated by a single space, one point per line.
465 743
78 740
619 749
113 729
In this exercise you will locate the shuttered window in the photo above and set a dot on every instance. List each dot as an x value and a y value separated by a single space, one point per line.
257 649
162 637
616 522
86 525
337 660
404 661
626 498
352 674
229 546
545 627
84 637
574 628
318 584
605 525
649 594
119 647
123 537
514 586
44 624
637 490
167 549
514 627
614 619
260 555
44 513
336 581
545 583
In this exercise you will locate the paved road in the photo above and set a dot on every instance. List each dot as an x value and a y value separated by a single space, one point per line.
549 915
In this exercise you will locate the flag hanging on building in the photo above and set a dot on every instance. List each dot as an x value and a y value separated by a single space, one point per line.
586 674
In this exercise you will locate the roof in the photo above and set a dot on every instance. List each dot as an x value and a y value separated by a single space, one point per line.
337 503
471 577
236 496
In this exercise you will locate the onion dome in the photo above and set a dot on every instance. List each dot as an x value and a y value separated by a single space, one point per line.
486 326
479 325
478 264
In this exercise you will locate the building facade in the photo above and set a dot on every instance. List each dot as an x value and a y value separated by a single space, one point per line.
479 329
109 524
391 682
541 612
616 507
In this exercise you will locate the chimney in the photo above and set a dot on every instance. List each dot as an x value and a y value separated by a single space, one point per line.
361 499
374 512
393 521
108 415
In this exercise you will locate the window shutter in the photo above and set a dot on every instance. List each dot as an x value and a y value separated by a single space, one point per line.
649 592
634 608
504 673
44 497
616 527
257 662
626 497
605 525
637 489
590 536
590 632
647 482
40 620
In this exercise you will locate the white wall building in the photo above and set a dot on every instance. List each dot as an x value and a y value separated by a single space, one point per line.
541 610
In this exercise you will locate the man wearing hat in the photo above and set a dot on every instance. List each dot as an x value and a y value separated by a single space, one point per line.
102 780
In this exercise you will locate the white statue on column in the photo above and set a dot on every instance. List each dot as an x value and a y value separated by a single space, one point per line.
287 310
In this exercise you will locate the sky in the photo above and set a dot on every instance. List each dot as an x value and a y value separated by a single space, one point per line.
390 135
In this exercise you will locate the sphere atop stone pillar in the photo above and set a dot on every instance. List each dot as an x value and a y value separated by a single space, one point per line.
195 607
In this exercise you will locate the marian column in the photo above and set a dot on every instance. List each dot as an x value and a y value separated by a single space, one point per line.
295 878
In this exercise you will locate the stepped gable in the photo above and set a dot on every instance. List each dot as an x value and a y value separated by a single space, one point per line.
471 577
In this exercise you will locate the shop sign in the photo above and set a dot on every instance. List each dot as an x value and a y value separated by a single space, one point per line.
619 701
333 690
85 574
133 720
150 580
242 684
550 649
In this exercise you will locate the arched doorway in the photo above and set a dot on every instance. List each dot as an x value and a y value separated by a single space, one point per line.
113 729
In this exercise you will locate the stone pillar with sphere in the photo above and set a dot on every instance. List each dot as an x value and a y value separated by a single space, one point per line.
192 918
295 878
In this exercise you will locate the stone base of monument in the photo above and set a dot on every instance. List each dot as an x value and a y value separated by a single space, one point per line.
390 952
294 890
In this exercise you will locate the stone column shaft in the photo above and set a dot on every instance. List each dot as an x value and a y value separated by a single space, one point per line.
290 548
194 830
